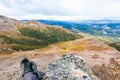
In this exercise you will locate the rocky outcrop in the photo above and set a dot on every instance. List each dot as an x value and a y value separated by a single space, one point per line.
68 67
108 72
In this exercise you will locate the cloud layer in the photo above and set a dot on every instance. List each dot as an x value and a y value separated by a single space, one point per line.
80 8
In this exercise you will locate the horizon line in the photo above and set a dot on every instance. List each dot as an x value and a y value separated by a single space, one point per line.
60 18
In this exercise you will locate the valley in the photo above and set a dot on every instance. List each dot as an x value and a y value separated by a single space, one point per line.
107 31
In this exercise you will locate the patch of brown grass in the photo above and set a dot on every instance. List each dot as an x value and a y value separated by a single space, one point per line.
95 56
97 48
84 44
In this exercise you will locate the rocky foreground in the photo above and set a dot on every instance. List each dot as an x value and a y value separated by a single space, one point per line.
10 64
93 52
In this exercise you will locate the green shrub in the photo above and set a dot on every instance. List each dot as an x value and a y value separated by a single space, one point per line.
115 46
34 33
19 47
23 44
39 38
49 36
31 42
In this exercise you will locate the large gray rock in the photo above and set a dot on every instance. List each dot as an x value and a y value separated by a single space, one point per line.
68 67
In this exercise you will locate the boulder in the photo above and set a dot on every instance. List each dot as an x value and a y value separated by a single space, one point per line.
68 67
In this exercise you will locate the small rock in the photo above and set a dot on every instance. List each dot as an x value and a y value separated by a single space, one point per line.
95 56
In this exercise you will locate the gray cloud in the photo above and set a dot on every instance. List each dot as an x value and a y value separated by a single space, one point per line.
83 8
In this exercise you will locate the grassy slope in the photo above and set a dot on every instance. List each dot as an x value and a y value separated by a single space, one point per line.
111 41
30 38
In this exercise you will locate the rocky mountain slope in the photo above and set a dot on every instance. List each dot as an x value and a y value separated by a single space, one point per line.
16 35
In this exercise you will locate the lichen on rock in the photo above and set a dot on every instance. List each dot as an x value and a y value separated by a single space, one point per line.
68 67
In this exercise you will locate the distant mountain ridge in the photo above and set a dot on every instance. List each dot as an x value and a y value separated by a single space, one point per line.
98 21
93 27
105 30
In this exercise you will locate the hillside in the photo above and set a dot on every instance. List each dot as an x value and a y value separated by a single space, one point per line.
105 30
93 52
17 36
111 41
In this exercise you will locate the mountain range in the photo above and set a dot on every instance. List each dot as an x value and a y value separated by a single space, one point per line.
107 31
93 27
45 43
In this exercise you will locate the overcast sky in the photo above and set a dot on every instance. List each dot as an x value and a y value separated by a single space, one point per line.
60 9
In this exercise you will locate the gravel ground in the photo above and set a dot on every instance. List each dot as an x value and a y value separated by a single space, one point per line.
10 64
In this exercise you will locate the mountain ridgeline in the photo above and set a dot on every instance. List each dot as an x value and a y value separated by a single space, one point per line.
92 27
16 35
